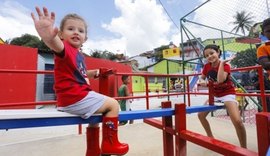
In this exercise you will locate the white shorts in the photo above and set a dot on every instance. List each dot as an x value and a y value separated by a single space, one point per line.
226 98
86 106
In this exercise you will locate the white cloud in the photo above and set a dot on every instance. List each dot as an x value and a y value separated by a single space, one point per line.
142 26
112 45
15 20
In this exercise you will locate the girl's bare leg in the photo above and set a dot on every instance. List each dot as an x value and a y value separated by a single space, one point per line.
233 111
202 117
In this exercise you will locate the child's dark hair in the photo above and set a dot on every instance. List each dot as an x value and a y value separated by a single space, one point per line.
265 23
124 77
214 47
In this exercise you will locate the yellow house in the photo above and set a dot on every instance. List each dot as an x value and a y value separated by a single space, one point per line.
1 41
171 53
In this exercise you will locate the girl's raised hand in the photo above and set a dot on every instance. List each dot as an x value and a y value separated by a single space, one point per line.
45 24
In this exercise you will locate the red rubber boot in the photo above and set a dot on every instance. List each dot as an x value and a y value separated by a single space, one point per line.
92 141
110 143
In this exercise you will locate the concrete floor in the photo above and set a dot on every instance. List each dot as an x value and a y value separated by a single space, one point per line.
143 139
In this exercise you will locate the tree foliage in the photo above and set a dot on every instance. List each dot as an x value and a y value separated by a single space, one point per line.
243 21
28 40
103 54
245 58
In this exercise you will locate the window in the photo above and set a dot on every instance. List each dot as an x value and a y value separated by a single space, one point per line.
48 80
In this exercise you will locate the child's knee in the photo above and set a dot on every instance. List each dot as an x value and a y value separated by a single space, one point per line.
201 115
239 123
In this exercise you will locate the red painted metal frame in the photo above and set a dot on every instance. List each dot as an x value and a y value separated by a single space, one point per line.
167 137
263 132
183 135
211 93
166 125
180 125
263 97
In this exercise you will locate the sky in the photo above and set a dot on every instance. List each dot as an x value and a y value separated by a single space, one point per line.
124 26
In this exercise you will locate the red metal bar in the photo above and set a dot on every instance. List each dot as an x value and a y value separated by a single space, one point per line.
246 68
27 103
183 135
152 75
167 137
215 145
180 125
158 124
158 95
26 71
153 122
263 132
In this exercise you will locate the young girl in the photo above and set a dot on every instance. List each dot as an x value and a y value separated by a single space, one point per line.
218 72
72 87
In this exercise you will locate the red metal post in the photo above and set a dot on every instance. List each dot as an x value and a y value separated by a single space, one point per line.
263 132
104 81
80 129
262 89
180 124
147 92
103 89
188 90
167 137
211 92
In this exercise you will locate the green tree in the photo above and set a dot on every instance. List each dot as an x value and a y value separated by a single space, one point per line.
103 54
42 46
243 21
26 40
245 58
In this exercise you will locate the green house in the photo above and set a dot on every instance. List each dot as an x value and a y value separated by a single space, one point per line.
164 66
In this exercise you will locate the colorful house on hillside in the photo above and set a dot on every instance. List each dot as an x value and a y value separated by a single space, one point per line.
170 64
230 44
172 53
164 66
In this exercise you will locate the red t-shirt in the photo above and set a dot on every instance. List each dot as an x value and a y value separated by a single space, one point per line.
70 76
220 89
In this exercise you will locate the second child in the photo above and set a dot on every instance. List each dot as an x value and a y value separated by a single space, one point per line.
218 71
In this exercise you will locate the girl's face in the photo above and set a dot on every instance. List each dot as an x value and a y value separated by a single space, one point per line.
74 32
211 55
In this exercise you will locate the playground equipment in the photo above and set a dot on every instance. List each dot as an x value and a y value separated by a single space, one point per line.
11 119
